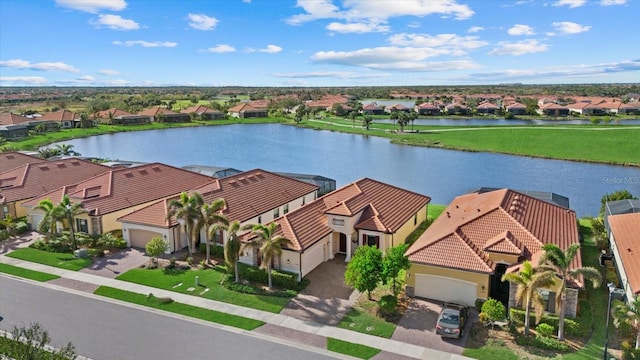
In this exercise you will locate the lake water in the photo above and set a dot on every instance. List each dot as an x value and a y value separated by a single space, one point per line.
440 174
502 122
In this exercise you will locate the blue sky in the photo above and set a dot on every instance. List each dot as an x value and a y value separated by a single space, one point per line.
317 42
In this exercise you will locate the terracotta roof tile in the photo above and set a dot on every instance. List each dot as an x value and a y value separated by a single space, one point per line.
13 159
626 233
13 119
60 115
199 109
504 243
154 111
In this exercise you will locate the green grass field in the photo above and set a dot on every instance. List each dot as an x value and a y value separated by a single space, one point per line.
60 260
26 273
208 279
351 349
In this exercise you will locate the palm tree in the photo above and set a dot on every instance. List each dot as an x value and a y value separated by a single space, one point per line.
70 211
211 214
187 210
556 261
367 121
629 313
528 282
52 214
394 116
9 224
268 243
233 245
66 150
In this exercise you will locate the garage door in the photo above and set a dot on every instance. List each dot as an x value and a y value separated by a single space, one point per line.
140 238
312 258
446 289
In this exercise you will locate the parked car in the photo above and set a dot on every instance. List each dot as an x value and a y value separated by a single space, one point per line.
451 320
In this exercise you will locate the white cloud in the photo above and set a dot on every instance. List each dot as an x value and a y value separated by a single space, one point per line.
475 29
85 78
359 27
108 72
520 29
202 22
147 44
115 22
519 48
93 6
117 82
567 27
270 49
612 2
380 10
221 48
562 71
330 74
33 80
451 44
43 66
570 3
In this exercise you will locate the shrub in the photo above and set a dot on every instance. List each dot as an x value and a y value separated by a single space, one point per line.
547 343
248 289
190 260
494 310
279 278
202 264
629 352
4 234
109 241
21 227
388 304
571 327
215 250
545 330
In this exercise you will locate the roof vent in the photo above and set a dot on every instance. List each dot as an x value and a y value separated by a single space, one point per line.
143 172
43 167
156 168
478 209
128 174
75 162
448 215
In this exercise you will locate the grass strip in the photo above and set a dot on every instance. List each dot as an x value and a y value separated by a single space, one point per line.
351 349
60 260
26 273
363 322
179 308
494 349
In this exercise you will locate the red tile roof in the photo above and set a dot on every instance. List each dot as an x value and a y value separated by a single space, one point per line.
503 221
243 107
13 119
115 112
199 109
154 111
122 188
13 159
626 233
30 180
60 115
247 195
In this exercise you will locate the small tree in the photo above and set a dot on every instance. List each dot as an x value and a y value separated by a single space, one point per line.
494 310
33 343
156 247
393 263
630 314
364 271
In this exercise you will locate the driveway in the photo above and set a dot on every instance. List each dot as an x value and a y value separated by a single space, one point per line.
417 326
117 263
21 241
326 299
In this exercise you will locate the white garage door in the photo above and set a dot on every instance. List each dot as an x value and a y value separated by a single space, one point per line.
140 238
446 289
312 258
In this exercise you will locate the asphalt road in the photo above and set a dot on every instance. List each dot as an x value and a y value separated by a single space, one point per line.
105 330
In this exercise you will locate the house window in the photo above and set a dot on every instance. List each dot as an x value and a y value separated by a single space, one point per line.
276 213
549 299
337 222
285 208
260 219
371 240
415 219
218 237
82 225
303 200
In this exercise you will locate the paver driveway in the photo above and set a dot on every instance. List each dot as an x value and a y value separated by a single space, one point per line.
117 263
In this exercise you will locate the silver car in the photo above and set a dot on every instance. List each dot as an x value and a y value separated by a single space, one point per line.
451 320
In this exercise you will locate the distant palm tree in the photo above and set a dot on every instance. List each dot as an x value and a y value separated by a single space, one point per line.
70 211
368 119
52 214
187 210
66 150
268 244
394 116
211 214
556 261
630 314
9 223
528 282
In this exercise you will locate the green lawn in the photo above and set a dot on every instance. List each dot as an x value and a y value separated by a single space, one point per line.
351 349
208 279
60 260
182 309
26 273
363 322
435 210
494 350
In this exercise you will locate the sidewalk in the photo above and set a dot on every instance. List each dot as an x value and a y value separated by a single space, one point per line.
386 345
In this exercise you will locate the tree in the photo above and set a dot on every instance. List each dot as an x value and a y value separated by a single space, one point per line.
85 122
66 150
9 223
268 243
630 314
365 269
69 211
33 343
187 210
368 119
494 310
211 214
48 152
156 247
616 195
394 116
52 214
352 116
301 111
233 245
393 262
528 282
556 261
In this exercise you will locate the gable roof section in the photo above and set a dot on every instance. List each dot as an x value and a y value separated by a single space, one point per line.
123 188
13 159
115 112
154 111
626 235
60 115
199 109
244 107
504 221
13 119
31 180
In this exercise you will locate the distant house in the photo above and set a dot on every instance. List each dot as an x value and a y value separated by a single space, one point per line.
624 239
15 124
398 108
552 109
456 109
65 118
487 108
617 207
116 116
204 112
517 108
372 109
427 109
161 114
586 108
244 111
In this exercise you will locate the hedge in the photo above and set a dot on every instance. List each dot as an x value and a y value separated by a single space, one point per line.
215 251
571 327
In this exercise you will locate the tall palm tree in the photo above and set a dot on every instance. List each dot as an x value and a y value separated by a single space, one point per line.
52 214
268 243
70 211
66 149
528 282
187 210
233 245
211 214
629 313
556 261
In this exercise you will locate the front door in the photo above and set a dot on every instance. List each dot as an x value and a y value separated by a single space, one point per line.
500 289
343 243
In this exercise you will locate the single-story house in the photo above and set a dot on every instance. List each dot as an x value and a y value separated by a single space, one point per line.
120 117
624 238
15 125
31 180
456 109
398 108
586 108
252 197
117 192
13 159
372 109
552 109
427 109
204 112
479 237
161 114
487 108
245 110
365 212
617 207
67 119
517 108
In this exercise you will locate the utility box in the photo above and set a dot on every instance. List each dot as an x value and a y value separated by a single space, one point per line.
81 253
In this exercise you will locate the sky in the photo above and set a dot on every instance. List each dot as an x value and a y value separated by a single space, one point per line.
318 42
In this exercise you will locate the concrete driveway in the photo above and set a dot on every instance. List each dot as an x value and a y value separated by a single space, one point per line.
117 263
417 326
326 299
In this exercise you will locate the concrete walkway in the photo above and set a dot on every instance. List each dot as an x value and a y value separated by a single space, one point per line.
286 323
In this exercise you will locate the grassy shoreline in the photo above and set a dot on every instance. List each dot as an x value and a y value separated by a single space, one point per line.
603 144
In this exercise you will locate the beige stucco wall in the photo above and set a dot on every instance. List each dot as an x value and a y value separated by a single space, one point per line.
481 279
502 258
572 298
407 228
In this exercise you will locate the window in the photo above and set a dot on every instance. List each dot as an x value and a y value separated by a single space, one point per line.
337 222
285 208
303 200
371 240
415 219
218 237
82 225
259 219
276 213
549 298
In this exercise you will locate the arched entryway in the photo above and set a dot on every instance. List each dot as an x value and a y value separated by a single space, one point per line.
342 247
